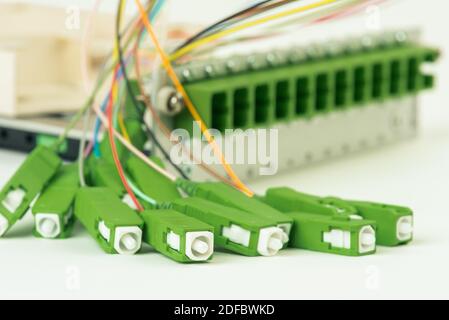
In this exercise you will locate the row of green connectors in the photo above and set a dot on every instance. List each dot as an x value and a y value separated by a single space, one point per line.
280 93
25 185
235 230
116 227
394 224
53 210
228 196
178 236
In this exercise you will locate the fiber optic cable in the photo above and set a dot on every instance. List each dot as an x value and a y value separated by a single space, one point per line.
112 98
131 147
178 54
164 129
134 101
189 104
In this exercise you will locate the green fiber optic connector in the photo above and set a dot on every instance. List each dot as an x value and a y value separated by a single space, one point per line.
228 196
178 236
151 182
116 227
53 210
104 174
289 200
394 223
234 93
333 234
25 185
235 230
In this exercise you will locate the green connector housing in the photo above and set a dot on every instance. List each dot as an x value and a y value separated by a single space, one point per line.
289 200
25 185
228 196
53 210
102 173
116 227
235 230
394 223
338 235
178 236
151 182
261 97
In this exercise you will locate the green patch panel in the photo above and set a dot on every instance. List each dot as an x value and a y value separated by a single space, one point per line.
394 224
250 98
53 210
116 227
178 236
235 230
25 185
228 196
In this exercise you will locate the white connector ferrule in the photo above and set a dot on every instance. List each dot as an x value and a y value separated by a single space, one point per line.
48 225
199 245
271 240
367 239
404 228
127 240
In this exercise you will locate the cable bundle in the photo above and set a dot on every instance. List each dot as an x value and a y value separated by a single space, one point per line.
127 194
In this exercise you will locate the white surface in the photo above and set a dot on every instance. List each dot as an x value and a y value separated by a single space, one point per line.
414 173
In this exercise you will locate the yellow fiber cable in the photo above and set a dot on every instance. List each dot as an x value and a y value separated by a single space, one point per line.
178 54
189 104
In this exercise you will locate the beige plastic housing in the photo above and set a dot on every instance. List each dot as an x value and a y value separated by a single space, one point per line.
40 57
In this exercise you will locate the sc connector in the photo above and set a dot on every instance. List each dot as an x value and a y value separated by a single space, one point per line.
116 227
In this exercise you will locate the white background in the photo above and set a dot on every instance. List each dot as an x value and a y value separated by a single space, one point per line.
413 173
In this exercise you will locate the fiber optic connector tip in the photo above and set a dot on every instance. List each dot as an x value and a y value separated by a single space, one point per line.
4 224
128 242
368 240
275 244
200 246
405 228
48 227
270 241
